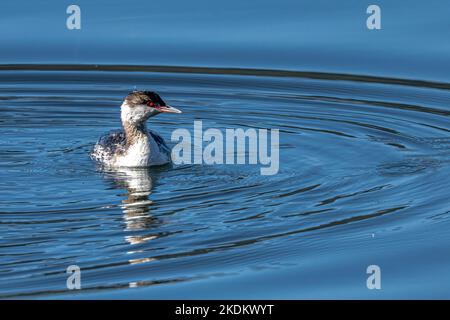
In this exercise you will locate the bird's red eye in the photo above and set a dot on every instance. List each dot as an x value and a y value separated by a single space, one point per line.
150 104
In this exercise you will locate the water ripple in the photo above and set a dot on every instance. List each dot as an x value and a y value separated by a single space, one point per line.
359 155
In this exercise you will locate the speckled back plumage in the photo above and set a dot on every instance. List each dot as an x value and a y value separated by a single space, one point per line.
109 145
114 144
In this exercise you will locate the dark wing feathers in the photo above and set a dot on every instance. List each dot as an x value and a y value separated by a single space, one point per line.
160 141
108 145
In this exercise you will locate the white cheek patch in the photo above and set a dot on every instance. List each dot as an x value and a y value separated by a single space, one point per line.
132 114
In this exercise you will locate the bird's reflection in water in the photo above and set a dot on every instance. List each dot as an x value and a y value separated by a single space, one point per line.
138 183
138 221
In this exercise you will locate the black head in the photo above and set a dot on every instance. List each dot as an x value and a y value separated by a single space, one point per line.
141 105
136 98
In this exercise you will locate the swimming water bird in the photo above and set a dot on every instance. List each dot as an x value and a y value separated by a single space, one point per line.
135 146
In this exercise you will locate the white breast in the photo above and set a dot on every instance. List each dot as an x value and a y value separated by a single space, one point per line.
143 153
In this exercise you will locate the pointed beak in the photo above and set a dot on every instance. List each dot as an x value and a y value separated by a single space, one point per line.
168 109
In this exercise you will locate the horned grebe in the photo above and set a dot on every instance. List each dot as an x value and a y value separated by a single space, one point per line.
135 146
